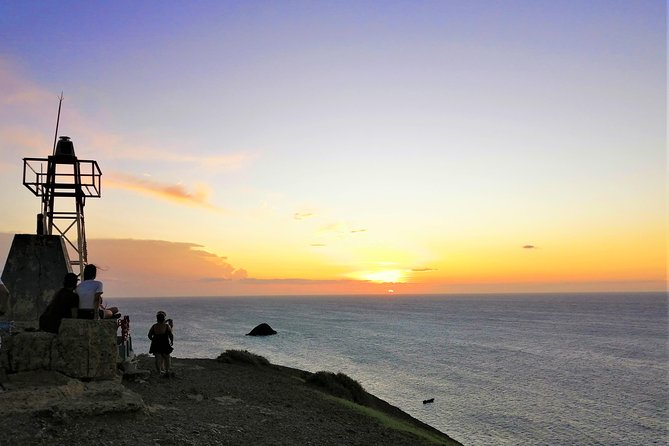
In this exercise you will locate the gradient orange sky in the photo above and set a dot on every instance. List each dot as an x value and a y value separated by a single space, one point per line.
250 148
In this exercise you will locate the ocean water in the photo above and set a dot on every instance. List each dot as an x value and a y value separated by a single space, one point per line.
560 369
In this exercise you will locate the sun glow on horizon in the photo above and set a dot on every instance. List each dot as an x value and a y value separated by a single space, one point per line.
384 276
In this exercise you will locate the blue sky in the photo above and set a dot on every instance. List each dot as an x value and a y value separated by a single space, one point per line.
335 141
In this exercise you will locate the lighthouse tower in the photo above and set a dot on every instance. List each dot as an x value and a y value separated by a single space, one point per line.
64 182
37 263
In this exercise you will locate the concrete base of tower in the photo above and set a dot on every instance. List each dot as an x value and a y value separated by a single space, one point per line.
33 272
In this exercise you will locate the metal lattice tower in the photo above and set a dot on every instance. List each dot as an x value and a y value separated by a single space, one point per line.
64 182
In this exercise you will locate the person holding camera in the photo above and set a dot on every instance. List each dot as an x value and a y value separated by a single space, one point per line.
162 340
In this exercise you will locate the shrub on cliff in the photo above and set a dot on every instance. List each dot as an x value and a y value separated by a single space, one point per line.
339 385
242 356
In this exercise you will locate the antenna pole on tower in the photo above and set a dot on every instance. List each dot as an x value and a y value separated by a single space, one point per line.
55 137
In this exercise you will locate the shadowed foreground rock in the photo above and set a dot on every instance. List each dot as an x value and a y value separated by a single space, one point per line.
262 330
84 349
54 394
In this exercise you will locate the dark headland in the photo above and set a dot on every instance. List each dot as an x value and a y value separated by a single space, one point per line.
236 399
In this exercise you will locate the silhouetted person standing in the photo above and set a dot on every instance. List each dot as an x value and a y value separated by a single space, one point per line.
161 344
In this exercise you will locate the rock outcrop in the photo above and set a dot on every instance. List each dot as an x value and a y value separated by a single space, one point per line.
72 373
38 392
83 349
262 330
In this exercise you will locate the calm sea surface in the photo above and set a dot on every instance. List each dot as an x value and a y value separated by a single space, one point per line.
560 369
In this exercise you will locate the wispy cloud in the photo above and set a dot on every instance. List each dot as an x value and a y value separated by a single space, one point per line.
146 152
333 228
17 91
176 193
302 215
25 116
26 138
234 275
529 247
296 281
340 229
422 270
28 116
324 227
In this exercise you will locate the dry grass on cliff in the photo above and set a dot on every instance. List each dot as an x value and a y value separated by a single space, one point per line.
238 399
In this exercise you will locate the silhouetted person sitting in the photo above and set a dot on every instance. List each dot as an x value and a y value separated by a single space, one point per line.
90 297
63 305
90 294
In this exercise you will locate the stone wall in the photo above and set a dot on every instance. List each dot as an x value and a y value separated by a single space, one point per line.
83 349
